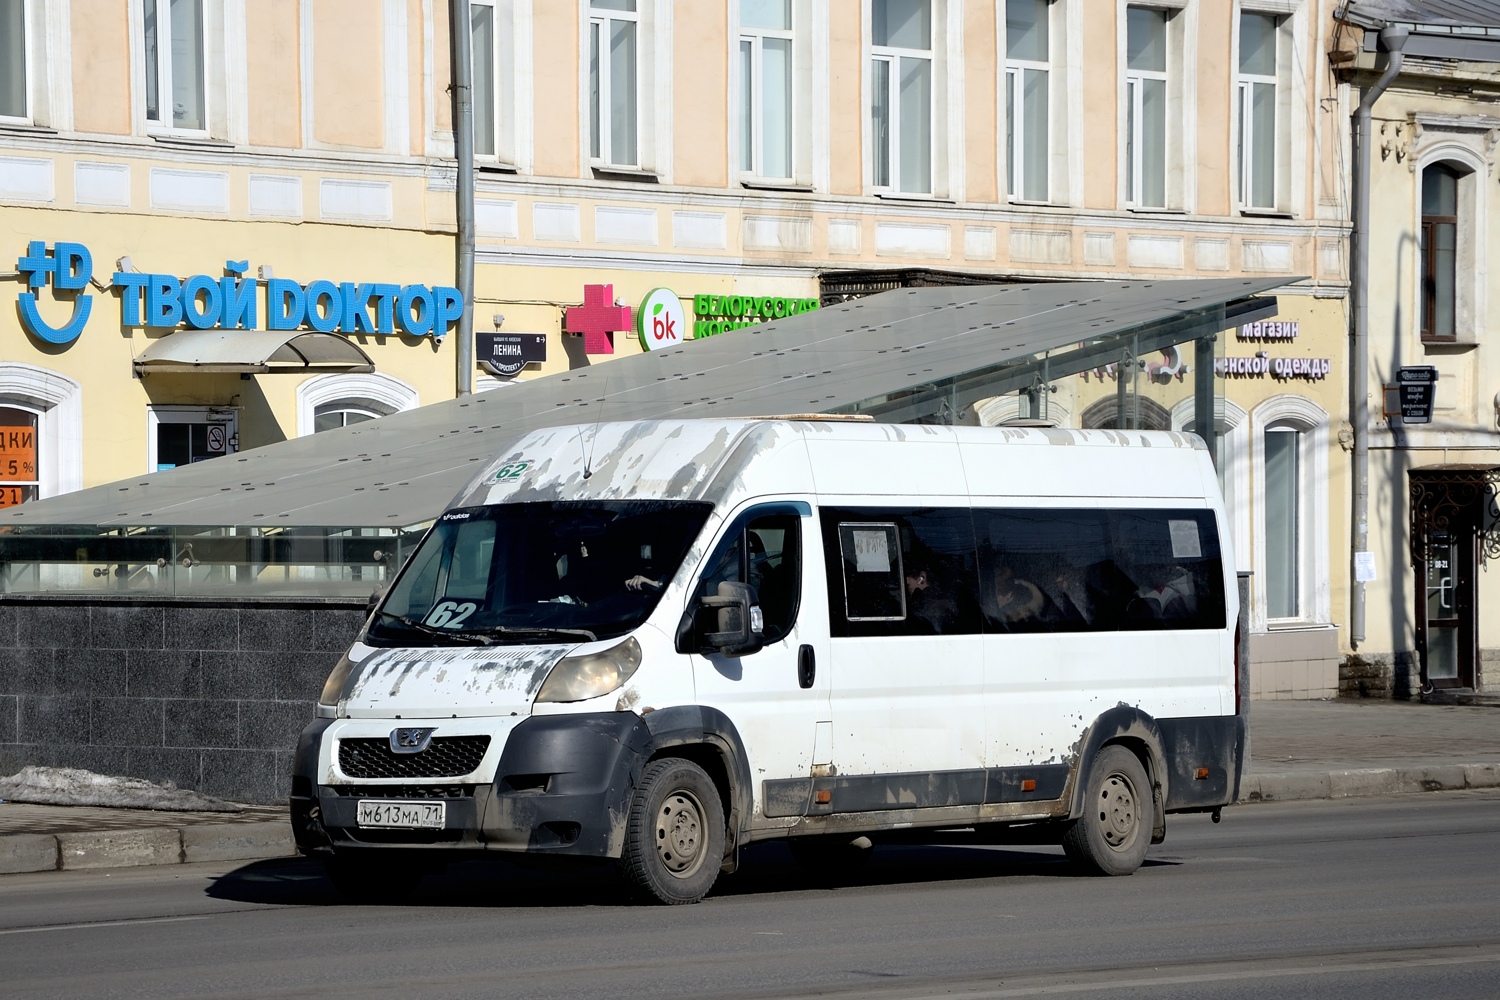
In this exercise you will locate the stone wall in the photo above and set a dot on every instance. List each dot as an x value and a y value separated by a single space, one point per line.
209 694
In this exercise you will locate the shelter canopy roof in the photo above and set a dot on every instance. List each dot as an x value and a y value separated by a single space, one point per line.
905 355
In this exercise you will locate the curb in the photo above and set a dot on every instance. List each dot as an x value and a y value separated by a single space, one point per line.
41 852
1293 786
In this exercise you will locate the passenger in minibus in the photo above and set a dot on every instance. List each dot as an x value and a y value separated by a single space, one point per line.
1010 599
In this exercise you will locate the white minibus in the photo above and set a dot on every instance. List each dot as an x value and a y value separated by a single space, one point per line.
660 641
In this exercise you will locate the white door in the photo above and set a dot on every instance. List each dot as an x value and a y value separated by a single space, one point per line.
908 657
776 697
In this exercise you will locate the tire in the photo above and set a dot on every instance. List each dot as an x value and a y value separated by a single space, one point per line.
832 858
373 878
674 836
1112 835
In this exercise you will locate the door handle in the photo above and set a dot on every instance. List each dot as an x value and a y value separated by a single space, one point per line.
807 668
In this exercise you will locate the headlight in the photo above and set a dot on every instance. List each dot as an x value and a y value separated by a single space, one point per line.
333 687
579 678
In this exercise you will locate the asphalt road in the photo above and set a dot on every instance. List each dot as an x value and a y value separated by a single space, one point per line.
1359 898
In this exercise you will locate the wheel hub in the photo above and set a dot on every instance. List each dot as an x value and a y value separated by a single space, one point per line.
679 834
1118 816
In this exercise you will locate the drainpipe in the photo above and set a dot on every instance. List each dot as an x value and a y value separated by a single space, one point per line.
463 149
1392 39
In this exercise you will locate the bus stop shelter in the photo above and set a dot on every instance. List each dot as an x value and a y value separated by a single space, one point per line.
334 513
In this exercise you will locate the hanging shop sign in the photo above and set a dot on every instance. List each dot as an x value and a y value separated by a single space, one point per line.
1312 369
716 314
233 300
507 353
1269 329
1418 388
660 321
597 319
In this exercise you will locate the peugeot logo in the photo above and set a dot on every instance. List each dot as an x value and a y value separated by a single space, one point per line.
410 740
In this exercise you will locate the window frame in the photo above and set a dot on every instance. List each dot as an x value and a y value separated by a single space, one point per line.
754 102
1314 595
507 75
1013 98
1244 135
599 19
1427 253
1132 96
28 67
891 56
165 69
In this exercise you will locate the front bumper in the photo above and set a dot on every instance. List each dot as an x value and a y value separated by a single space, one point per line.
558 784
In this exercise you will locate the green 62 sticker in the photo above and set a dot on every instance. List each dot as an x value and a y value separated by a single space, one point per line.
511 471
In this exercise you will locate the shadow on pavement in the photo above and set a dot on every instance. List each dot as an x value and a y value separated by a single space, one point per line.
567 882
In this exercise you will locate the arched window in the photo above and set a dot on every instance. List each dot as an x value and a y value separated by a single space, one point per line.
41 420
328 402
1145 414
1439 252
1290 489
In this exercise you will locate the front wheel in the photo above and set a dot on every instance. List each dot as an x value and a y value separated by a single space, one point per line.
674 838
1112 835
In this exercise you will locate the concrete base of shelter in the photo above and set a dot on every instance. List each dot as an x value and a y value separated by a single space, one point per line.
1299 664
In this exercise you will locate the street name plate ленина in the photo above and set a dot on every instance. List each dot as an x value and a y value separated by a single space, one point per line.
508 353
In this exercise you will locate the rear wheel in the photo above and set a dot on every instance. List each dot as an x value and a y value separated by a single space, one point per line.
1112 835
674 838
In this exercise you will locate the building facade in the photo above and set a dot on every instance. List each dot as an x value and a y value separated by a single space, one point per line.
1433 612
287 166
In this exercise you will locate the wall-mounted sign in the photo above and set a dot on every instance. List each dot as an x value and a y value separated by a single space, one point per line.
1269 329
1312 369
203 302
721 313
507 353
1418 387
597 318
69 269
660 321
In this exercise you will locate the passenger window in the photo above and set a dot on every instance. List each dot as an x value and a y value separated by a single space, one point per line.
901 572
765 553
1062 570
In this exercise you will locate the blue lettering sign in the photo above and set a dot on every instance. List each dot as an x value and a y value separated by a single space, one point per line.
205 302
70 267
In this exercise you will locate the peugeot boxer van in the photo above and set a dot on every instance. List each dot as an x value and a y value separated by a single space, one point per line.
658 642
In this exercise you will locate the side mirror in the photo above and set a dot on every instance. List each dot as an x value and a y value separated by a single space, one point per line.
739 620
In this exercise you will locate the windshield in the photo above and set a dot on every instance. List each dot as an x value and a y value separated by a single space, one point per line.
524 572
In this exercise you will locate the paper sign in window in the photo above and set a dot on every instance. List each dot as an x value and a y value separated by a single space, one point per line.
1185 542
872 551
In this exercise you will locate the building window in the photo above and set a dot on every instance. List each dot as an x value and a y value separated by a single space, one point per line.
20 478
173 34
1027 79
332 416
493 51
1439 252
1283 529
1146 107
901 95
766 88
14 67
614 118
1256 106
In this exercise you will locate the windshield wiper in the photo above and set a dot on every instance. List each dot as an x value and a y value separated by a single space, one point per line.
471 637
539 630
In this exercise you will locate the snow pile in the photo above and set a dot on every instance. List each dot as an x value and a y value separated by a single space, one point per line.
71 786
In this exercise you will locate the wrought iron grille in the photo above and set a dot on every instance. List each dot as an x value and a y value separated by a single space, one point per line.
1461 499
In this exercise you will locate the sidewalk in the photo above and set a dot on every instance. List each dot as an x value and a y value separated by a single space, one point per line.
1298 750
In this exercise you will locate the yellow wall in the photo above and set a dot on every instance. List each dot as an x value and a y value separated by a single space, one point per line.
347 77
102 86
273 30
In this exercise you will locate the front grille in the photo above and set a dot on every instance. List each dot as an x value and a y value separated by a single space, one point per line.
445 757
404 791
